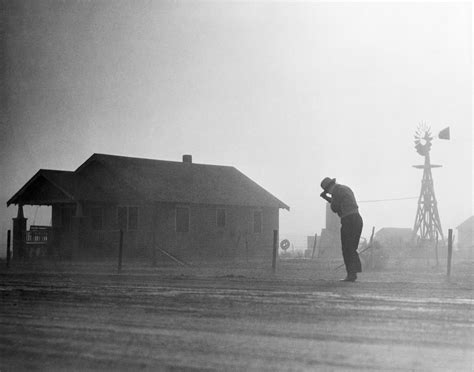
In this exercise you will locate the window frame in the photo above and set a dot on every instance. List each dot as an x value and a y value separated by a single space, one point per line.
260 213
217 218
184 207
126 218
129 227
71 213
101 215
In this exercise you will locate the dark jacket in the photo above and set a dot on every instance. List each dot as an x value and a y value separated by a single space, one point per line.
343 201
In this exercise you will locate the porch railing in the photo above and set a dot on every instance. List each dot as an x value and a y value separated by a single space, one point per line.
38 234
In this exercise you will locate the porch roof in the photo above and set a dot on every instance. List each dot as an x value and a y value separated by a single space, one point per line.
49 186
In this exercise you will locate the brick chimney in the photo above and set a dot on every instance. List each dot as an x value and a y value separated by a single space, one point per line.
187 159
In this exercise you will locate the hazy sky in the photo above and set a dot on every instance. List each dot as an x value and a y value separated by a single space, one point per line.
286 92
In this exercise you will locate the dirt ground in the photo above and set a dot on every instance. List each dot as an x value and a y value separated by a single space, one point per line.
78 317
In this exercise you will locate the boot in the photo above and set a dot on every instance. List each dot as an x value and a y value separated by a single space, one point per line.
351 277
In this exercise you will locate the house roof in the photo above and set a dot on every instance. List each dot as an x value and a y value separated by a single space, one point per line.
155 180
467 224
394 232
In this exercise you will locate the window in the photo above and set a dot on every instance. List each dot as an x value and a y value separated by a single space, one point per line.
66 218
257 222
122 218
133 218
97 218
220 217
127 218
182 219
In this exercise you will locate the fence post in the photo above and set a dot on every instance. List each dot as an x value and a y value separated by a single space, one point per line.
450 250
153 250
246 250
9 252
275 249
436 249
120 251
314 245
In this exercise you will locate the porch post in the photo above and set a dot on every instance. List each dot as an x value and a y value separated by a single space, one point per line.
19 234
78 227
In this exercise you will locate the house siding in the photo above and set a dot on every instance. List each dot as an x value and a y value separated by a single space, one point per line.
465 242
206 240
157 223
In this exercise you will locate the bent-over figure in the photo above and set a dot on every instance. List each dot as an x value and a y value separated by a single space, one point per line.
343 203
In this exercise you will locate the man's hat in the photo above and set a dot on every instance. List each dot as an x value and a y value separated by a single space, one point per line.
327 182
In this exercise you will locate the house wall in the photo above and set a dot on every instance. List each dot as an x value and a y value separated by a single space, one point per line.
157 222
207 241
105 242
62 239
465 239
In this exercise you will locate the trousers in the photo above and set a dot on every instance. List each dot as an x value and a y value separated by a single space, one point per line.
351 229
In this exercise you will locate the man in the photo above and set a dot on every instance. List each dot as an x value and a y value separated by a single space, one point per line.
343 203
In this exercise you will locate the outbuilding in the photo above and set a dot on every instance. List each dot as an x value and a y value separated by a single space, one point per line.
465 239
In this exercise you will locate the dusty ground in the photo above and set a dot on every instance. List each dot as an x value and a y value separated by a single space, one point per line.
79 317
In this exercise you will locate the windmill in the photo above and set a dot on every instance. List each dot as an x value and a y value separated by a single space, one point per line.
427 222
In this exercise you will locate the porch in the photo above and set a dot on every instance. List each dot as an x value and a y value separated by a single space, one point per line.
38 241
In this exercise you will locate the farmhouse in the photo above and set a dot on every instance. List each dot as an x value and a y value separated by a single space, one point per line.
189 210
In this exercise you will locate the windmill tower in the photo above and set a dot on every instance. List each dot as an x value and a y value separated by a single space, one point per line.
427 222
